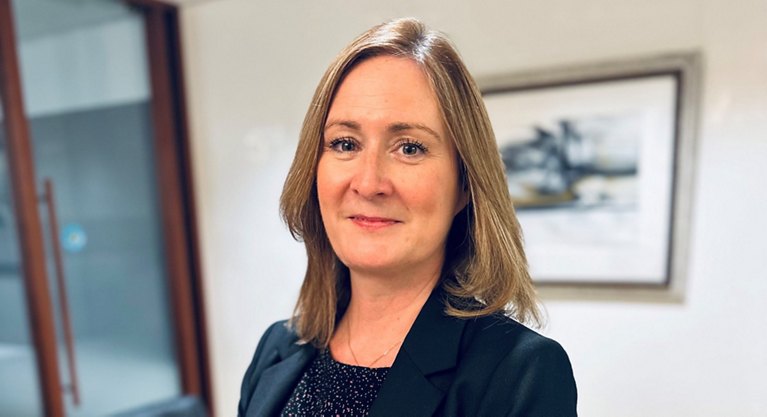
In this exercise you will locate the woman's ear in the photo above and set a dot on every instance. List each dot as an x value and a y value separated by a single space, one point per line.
463 198
463 193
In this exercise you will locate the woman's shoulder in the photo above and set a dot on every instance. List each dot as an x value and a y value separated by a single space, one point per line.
510 357
278 334
507 337
501 328
277 342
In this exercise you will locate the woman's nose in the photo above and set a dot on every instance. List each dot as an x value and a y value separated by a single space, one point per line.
371 177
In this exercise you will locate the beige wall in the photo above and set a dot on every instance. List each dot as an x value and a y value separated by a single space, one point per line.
252 67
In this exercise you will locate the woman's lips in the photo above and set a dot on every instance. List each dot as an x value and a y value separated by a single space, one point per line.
372 222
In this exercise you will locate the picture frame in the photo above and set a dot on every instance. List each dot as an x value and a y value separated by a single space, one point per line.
600 162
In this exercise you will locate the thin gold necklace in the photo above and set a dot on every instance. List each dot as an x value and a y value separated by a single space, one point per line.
356 361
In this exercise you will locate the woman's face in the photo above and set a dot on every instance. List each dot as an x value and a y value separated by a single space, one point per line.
387 179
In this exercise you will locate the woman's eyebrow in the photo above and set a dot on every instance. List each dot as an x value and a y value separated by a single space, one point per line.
393 127
401 127
345 123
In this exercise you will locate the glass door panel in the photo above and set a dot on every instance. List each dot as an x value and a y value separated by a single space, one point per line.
20 395
87 100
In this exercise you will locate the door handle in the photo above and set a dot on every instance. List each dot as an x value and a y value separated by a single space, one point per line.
61 284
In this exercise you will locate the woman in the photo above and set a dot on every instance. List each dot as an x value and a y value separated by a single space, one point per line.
415 259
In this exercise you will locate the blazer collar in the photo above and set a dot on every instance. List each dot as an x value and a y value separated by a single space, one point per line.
278 381
419 377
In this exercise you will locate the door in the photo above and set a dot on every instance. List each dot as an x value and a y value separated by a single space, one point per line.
114 299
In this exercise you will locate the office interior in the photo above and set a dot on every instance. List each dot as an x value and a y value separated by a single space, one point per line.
143 147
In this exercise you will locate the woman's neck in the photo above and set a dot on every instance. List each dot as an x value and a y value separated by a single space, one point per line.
371 304
380 313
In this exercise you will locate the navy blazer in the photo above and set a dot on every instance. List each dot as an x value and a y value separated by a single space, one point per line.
489 366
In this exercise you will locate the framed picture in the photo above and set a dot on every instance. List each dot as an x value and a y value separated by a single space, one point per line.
599 162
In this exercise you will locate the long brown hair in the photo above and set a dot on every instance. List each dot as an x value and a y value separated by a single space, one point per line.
485 269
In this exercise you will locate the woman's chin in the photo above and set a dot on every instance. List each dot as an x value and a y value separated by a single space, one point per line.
364 255
373 266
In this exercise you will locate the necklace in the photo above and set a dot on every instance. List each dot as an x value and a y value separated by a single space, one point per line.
356 361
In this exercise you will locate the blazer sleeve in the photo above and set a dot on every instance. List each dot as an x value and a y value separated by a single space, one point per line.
254 371
538 380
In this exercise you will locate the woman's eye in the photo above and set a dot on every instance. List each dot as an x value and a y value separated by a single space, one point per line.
409 149
343 145
413 148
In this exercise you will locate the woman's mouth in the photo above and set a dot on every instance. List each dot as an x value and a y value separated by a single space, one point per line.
372 222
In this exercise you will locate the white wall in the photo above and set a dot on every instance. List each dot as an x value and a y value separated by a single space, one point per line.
252 67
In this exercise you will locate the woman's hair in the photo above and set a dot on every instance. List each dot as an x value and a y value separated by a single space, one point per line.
485 270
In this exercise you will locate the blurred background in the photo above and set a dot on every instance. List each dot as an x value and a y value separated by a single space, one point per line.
151 255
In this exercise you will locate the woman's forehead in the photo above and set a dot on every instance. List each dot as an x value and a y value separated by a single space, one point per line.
386 88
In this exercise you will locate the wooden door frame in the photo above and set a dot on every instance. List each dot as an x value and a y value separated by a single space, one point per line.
176 190
22 173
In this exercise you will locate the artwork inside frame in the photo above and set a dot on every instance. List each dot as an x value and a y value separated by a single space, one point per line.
599 162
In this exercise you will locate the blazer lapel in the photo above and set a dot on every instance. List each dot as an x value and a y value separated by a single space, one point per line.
278 381
419 377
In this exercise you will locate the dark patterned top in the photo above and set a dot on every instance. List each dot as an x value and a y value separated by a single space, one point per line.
330 388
